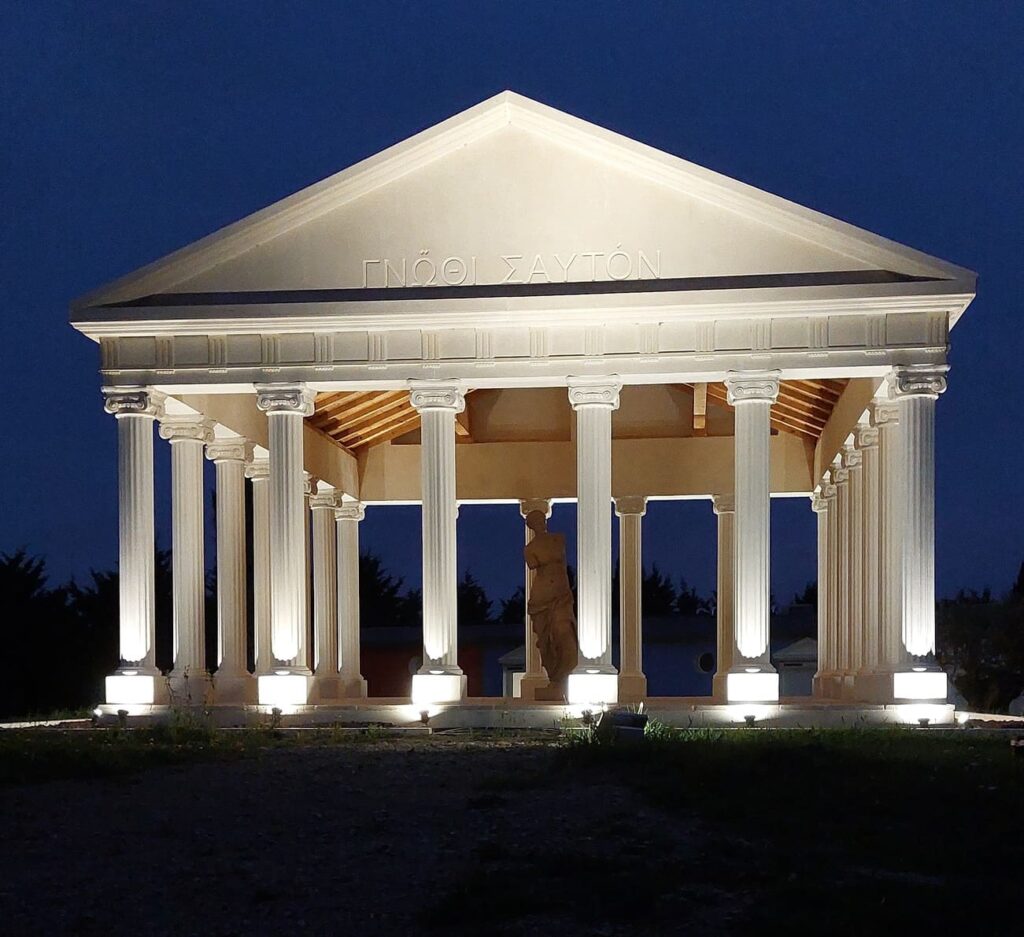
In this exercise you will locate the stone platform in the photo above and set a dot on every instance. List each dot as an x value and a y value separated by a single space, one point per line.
500 713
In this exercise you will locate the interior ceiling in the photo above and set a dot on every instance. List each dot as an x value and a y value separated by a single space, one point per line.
358 420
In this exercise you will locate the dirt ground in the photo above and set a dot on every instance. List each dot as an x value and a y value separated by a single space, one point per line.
376 839
802 833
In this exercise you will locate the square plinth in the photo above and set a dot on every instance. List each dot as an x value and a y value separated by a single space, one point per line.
758 687
284 689
438 688
919 685
135 689
593 689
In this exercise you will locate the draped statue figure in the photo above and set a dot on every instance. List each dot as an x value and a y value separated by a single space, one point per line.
551 607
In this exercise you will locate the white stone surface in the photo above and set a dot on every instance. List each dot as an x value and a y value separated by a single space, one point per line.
632 682
347 517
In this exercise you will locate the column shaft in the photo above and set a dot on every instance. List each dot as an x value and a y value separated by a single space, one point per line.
885 415
855 558
632 682
347 518
258 471
725 625
440 677
286 405
820 504
325 593
867 442
842 477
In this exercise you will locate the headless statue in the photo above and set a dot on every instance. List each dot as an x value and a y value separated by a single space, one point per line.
551 607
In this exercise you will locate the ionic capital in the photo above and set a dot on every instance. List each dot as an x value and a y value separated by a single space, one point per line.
819 502
285 398
867 436
229 449
258 470
597 391
840 475
634 504
327 498
743 386
852 457
535 504
724 504
919 380
133 401
180 427
350 511
431 395
885 412
309 483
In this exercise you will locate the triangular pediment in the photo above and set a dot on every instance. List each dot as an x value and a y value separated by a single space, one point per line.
513 193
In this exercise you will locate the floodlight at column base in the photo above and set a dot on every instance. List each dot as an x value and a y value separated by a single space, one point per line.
284 689
593 688
919 684
438 688
135 689
758 687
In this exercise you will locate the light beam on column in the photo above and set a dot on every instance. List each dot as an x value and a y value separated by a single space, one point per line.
751 394
439 679
594 398
137 679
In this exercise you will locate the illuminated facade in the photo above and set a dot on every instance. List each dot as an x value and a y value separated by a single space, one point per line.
518 306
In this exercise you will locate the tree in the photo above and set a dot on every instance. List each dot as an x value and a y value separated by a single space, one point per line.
513 608
689 602
809 596
473 606
657 594
381 601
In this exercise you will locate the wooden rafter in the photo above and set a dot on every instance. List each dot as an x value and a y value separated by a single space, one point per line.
359 419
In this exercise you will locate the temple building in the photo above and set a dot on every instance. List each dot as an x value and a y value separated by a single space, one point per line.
519 306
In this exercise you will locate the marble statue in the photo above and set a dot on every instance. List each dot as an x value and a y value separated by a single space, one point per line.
551 607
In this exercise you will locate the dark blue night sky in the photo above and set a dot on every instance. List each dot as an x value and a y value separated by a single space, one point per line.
129 130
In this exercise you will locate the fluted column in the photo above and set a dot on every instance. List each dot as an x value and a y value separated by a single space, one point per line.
632 682
187 434
841 475
439 679
916 389
137 679
322 504
892 657
870 654
594 399
725 625
853 463
829 683
286 405
821 501
258 472
347 517
752 677
232 683
533 675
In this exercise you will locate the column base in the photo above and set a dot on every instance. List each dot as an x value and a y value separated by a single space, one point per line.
752 685
234 688
352 687
189 689
438 688
284 688
593 688
326 688
141 687
632 688
525 685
